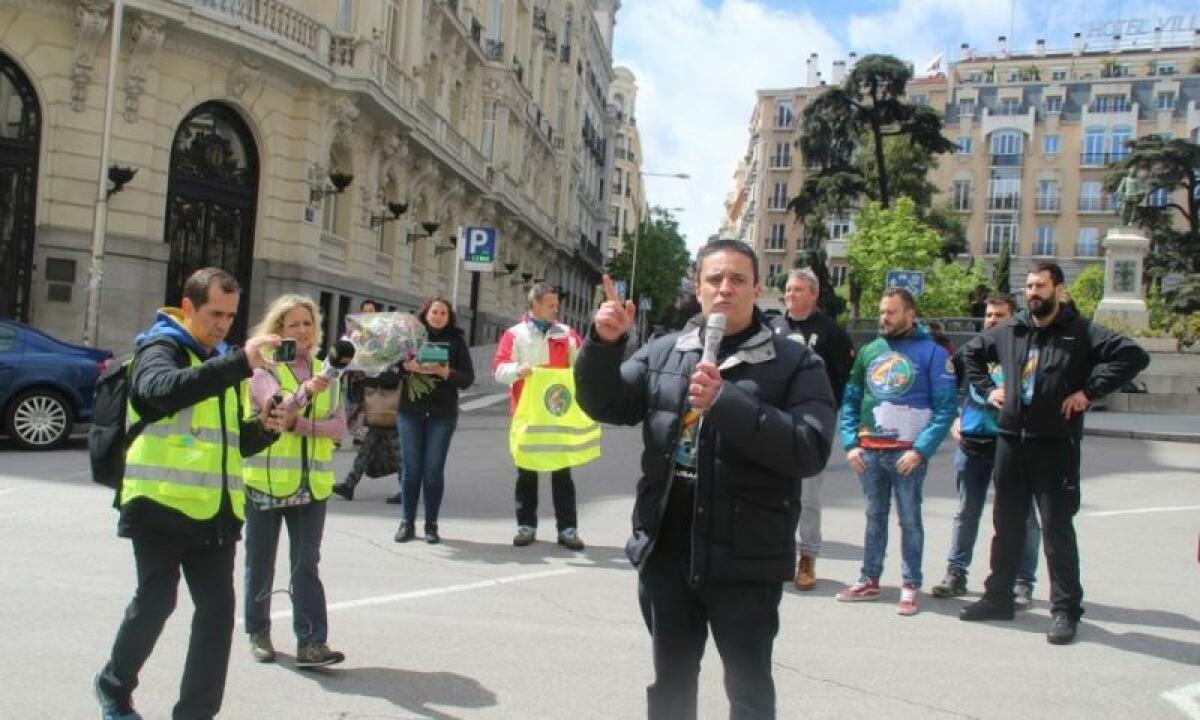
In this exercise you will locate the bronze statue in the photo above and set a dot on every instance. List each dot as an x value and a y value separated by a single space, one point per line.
1133 191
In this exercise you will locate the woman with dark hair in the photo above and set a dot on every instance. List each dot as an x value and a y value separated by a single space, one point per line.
427 421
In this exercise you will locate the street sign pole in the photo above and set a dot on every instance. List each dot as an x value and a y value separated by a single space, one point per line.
459 249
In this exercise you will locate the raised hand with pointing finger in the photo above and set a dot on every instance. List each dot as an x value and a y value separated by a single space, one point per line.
614 319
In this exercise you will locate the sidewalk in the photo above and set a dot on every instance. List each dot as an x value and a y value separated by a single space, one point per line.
1143 426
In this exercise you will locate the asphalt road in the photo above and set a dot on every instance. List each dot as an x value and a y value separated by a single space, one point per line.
474 628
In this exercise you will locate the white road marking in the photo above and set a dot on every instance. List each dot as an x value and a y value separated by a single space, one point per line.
432 592
1186 698
483 402
1141 511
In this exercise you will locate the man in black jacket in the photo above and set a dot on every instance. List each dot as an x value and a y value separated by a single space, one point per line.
167 540
805 324
725 447
1055 365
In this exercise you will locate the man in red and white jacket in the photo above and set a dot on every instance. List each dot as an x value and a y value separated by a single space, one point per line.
539 341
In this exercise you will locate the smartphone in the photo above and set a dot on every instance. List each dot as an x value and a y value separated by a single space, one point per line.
286 351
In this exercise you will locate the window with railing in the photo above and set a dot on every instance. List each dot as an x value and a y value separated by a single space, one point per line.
1164 67
1088 242
997 235
975 76
1006 148
1119 143
1058 74
1090 197
1009 106
962 195
1004 194
1054 104
966 108
1048 198
1166 101
1093 154
782 159
777 240
1044 245
784 114
779 197
1051 144
840 228
1110 103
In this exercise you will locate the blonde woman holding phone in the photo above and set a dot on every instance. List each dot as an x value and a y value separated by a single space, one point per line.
290 484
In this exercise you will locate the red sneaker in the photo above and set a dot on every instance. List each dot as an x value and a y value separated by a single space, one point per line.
862 590
908 600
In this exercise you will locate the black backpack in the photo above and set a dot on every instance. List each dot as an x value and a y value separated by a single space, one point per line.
109 439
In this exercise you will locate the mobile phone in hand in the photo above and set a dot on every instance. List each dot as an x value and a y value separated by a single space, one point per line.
286 350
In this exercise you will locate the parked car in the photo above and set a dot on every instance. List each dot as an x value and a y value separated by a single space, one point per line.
46 385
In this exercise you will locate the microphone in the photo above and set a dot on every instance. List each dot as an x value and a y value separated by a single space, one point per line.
714 330
336 362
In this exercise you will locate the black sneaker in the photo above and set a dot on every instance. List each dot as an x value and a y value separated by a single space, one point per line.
952 585
344 489
110 708
397 499
317 655
1022 595
431 535
1062 629
405 532
985 609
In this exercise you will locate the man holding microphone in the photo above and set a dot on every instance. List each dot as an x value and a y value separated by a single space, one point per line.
727 439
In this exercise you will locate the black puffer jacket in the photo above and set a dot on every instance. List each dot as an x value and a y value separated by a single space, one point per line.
1073 354
771 425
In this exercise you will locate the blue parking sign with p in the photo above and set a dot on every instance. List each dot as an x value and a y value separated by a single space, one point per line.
479 248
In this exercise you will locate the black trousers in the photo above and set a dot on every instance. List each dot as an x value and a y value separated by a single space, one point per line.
744 619
208 570
1045 472
562 489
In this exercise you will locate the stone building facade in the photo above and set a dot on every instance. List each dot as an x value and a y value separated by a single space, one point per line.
629 206
329 147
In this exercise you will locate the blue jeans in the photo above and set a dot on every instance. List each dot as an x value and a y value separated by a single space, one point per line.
974 476
424 442
879 483
306 527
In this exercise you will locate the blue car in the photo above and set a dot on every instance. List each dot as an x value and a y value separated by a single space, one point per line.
46 385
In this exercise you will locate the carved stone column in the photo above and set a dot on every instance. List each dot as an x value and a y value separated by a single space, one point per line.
147 40
91 20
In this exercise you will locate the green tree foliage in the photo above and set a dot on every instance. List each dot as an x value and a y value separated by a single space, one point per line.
948 289
1087 289
888 240
949 227
1174 166
662 262
1000 271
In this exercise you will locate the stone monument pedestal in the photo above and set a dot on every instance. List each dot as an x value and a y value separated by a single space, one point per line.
1125 255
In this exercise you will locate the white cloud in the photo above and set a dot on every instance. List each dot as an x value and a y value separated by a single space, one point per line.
697 71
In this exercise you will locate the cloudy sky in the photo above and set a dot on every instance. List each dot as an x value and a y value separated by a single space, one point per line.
698 63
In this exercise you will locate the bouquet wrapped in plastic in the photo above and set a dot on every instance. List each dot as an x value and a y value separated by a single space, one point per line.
382 340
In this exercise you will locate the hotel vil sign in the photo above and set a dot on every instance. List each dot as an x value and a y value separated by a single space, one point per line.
1144 26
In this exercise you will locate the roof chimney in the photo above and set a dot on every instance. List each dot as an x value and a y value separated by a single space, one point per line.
1077 50
1041 48
811 76
1157 38
1117 43
966 51
839 72
1003 41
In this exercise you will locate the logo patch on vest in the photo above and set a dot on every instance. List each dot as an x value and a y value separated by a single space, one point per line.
558 400
891 375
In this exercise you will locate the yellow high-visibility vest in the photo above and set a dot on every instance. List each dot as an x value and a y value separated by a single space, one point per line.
279 470
177 461
549 430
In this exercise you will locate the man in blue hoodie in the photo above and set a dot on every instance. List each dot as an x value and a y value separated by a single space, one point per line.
974 460
181 497
897 408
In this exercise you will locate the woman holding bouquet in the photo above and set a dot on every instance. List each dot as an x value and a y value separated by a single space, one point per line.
429 414
290 482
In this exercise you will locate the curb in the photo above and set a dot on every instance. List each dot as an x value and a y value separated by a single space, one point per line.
1143 435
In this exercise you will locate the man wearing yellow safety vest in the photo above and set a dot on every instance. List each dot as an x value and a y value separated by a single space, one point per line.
538 341
181 497
726 443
